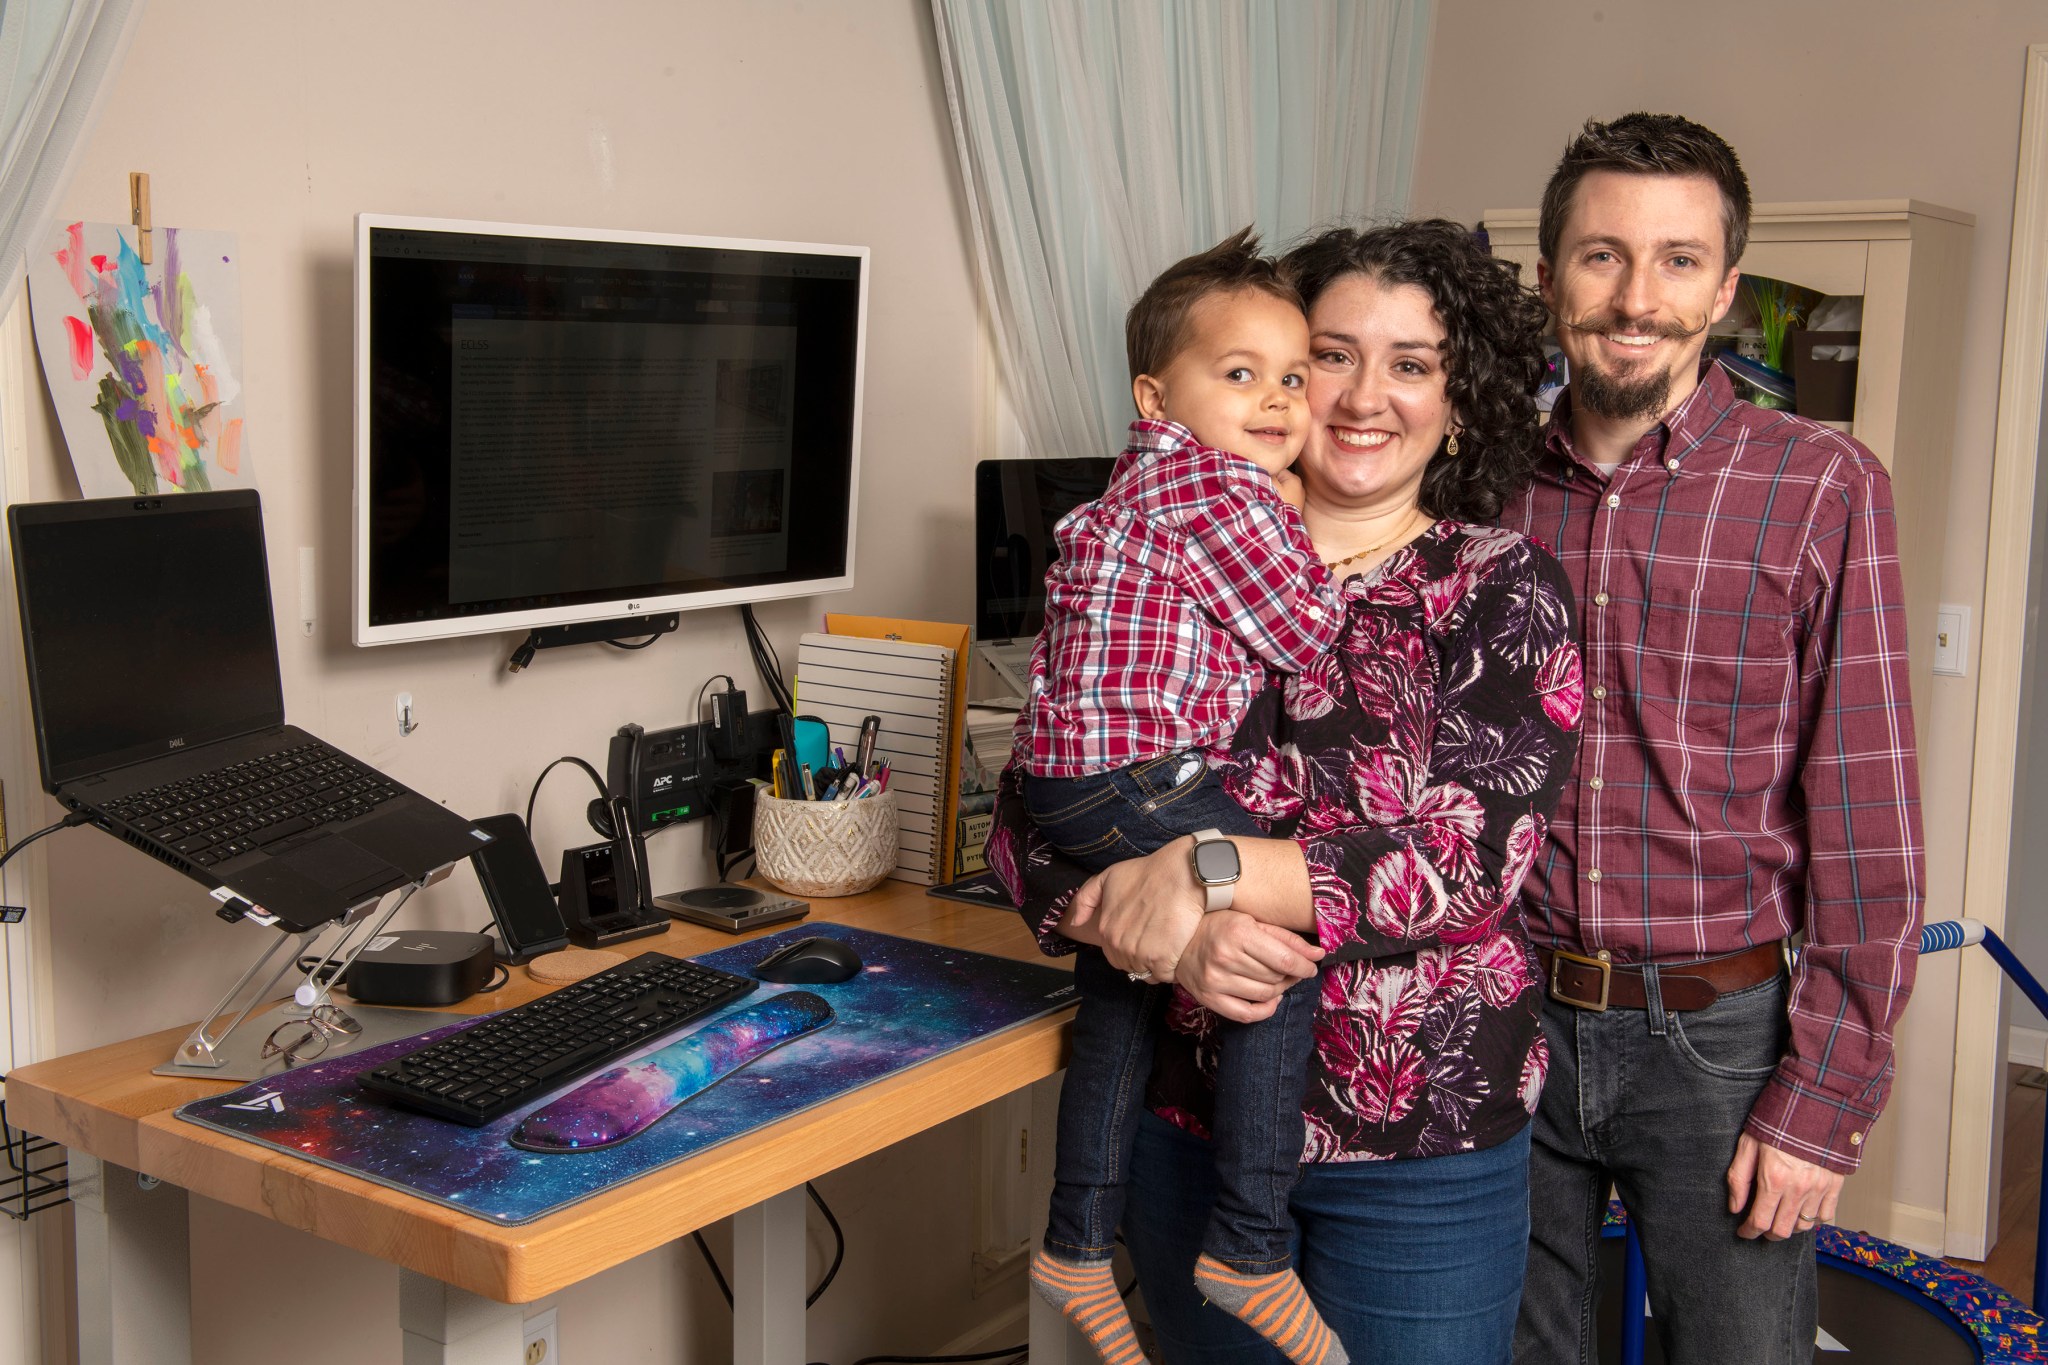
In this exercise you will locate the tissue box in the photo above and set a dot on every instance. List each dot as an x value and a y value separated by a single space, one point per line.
1826 388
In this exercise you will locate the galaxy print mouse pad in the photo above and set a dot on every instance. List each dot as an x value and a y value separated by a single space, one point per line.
773 1053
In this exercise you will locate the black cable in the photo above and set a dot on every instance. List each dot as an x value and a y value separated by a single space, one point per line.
642 645
766 661
839 1247
499 976
838 1254
712 1261
71 821
603 792
523 655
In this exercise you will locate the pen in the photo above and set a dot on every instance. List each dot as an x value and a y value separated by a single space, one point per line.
864 751
839 756
810 791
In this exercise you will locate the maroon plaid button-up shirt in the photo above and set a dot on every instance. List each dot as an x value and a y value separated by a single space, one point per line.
1746 768
1173 593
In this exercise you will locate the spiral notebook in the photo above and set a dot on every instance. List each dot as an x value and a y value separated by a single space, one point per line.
909 673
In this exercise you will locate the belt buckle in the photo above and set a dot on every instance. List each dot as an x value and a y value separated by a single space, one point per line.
1559 956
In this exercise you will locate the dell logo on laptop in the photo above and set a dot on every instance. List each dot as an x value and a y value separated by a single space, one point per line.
177 744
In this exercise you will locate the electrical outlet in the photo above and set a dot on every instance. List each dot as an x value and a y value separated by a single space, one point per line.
543 1346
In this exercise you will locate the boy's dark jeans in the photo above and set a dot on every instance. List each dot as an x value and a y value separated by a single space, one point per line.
1262 1068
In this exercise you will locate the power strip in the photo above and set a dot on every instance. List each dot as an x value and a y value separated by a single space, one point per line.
679 769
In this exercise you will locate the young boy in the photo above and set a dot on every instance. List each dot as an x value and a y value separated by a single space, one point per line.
1173 594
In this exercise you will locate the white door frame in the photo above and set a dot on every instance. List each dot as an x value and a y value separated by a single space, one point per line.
1974 1140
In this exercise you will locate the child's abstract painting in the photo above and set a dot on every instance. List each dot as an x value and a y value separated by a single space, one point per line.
143 362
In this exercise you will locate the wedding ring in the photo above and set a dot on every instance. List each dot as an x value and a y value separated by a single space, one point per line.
1139 976
1808 1218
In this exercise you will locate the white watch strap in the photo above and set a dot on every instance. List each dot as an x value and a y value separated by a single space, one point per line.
1214 896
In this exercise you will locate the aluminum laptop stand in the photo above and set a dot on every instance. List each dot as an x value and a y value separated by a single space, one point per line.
233 1051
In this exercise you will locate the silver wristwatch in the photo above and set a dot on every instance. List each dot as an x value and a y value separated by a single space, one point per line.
1216 868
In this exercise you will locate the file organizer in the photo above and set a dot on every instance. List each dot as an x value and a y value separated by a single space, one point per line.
910 673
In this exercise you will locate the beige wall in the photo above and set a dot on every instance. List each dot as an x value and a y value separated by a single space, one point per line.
1838 100
778 118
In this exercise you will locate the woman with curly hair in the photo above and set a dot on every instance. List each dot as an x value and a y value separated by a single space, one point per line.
1404 780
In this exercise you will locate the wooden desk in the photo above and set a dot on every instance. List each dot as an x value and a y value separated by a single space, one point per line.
459 1273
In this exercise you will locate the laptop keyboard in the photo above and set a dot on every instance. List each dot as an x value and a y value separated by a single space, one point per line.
223 814
513 1058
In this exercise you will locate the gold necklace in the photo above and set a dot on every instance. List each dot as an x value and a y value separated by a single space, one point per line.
1334 564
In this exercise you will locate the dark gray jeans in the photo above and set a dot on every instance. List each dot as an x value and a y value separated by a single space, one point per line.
1654 1102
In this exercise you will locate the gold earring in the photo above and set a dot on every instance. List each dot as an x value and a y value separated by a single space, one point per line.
1451 446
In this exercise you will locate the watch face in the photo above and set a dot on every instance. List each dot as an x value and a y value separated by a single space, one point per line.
1216 862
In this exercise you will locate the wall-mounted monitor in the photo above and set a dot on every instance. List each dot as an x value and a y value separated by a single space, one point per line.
557 425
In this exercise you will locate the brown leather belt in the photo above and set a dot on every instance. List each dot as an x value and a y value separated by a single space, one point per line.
1596 983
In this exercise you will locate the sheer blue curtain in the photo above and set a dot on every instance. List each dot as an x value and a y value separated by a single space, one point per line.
56 56
1100 142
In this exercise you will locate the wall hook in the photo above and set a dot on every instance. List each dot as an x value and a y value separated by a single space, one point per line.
406 724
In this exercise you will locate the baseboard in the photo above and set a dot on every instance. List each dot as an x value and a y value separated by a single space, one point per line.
1923 1230
1013 1324
2027 1046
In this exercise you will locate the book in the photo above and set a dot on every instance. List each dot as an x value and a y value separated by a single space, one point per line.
909 674
986 752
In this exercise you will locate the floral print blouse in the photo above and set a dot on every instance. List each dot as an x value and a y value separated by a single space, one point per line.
1417 764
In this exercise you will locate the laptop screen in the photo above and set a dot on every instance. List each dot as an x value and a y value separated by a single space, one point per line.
1016 505
146 625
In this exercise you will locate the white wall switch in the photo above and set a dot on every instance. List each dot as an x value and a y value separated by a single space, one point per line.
1951 640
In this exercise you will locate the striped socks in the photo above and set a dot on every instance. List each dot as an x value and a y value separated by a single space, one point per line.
1276 1307
1086 1292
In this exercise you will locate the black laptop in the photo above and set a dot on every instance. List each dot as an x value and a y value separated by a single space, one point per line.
152 668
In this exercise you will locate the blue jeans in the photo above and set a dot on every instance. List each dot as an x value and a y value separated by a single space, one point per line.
1654 1101
1262 1068
1410 1262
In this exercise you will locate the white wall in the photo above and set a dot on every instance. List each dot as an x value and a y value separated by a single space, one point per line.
279 122
1830 100
2026 927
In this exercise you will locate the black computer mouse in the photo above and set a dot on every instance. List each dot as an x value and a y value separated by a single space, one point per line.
810 962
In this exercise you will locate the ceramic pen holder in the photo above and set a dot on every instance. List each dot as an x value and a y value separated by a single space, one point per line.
825 848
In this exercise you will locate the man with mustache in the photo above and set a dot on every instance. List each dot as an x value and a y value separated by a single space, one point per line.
1746 775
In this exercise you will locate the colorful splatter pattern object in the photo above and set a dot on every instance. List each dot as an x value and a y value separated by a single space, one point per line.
627 1100
2007 1331
912 1001
169 375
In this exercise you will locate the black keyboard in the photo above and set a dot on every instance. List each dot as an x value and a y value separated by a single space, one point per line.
241 808
512 1059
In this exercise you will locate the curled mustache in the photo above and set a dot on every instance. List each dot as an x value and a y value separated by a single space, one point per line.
1609 322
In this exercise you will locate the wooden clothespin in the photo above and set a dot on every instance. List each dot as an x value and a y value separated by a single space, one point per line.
138 209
